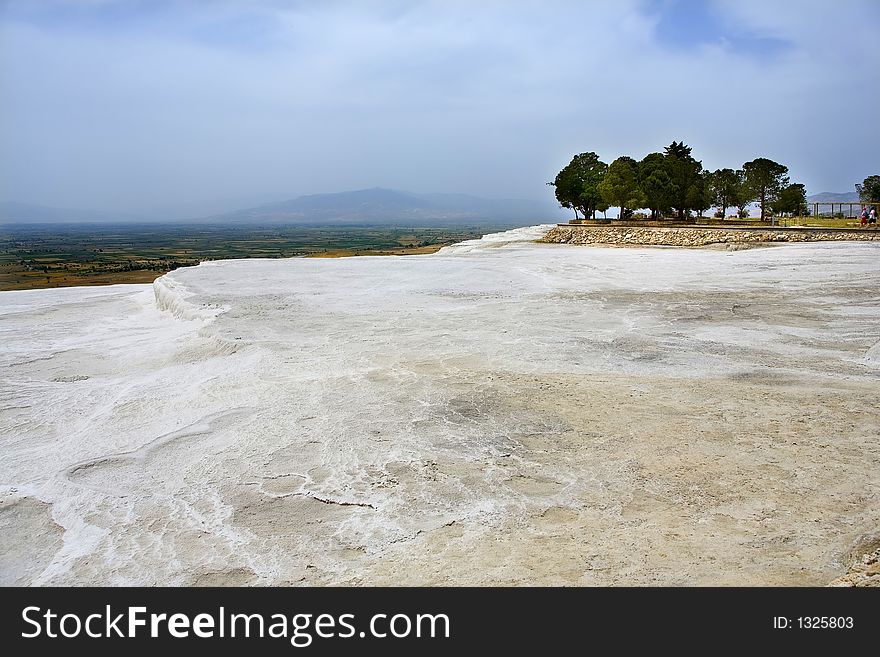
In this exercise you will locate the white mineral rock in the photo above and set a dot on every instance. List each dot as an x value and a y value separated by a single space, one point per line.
499 412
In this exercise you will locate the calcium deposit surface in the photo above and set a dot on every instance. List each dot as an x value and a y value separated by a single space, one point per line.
501 412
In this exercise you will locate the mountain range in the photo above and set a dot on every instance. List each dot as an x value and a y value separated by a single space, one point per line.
834 197
365 206
378 205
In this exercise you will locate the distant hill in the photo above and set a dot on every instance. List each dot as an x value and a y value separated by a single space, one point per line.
834 197
378 205
365 206
23 213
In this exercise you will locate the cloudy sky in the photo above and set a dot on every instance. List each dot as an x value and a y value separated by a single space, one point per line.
153 106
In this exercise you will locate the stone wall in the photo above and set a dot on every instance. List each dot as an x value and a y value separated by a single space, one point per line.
621 235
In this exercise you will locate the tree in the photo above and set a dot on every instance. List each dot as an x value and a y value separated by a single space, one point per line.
620 186
684 172
744 196
698 197
724 189
566 191
577 184
655 184
869 190
765 179
792 200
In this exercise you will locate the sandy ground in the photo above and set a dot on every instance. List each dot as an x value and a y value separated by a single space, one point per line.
500 412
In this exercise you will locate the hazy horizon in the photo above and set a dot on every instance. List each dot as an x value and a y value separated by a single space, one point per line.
220 207
185 109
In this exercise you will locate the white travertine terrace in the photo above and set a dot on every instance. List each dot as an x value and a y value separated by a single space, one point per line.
500 412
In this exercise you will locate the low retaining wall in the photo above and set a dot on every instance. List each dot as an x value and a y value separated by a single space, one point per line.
621 235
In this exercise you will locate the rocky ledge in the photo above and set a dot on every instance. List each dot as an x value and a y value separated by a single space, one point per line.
650 236
863 565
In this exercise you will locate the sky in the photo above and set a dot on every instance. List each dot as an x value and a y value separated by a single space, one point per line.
162 107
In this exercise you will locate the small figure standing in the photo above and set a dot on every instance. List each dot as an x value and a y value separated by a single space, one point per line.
872 217
863 218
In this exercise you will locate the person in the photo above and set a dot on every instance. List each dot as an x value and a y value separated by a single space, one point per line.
863 218
872 217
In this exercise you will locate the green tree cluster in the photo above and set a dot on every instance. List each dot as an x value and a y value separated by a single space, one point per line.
674 183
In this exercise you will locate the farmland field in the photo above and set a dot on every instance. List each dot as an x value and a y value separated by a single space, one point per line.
44 256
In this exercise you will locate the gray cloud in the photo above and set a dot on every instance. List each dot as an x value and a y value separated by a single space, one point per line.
139 106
